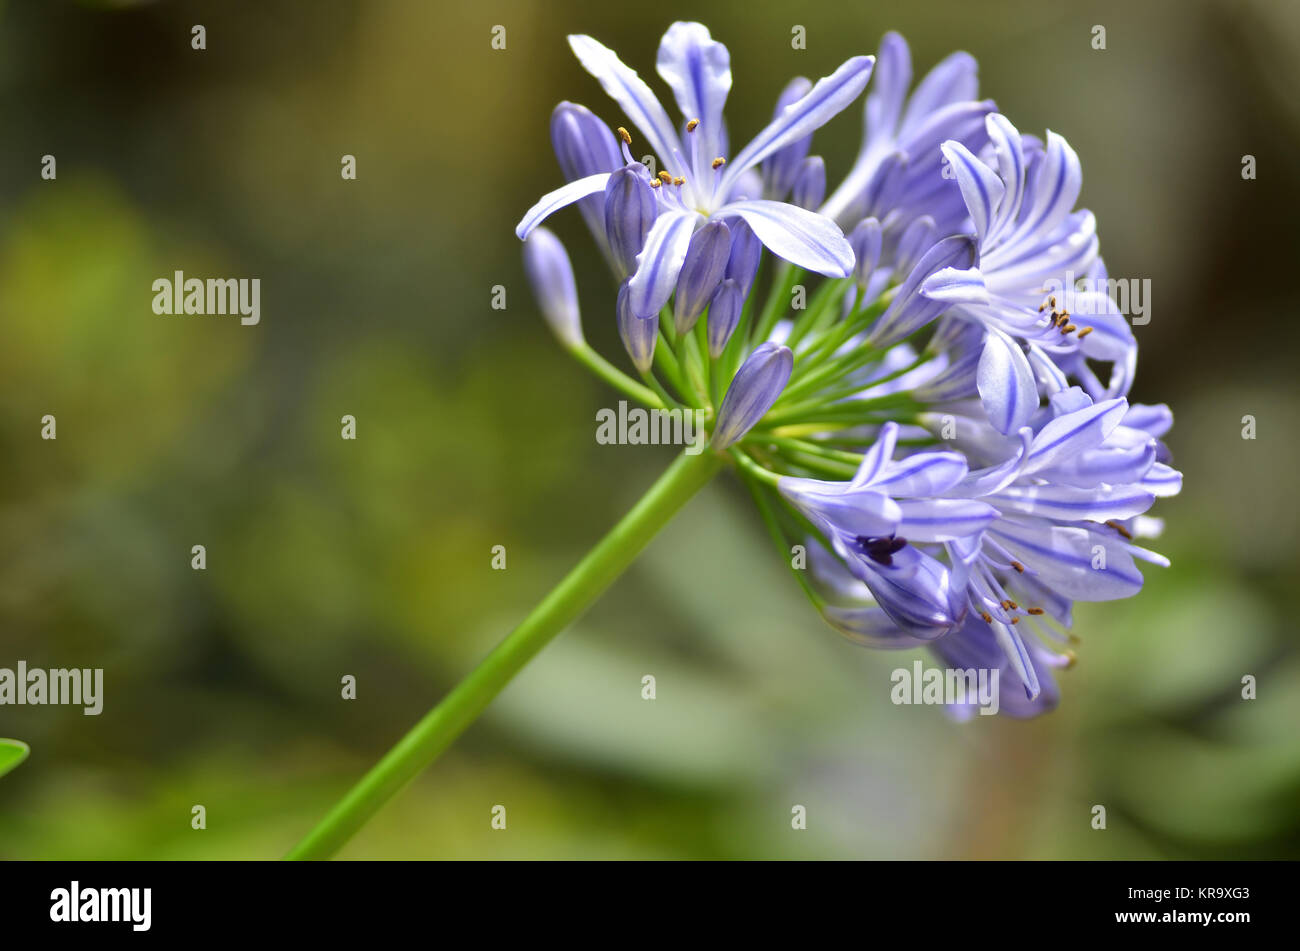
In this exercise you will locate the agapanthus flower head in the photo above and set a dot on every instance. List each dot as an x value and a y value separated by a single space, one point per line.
940 415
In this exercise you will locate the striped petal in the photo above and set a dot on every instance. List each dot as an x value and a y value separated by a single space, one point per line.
554 201
660 262
1006 383
802 237
624 86
824 101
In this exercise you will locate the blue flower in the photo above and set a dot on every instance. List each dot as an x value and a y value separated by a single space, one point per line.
943 419
698 182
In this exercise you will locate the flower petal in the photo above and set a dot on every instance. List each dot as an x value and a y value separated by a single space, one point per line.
956 286
1006 383
1063 558
803 238
943 520
552 202
924 474
980 186
824 101
698 70
1074 433
660 262
624 86
1071 503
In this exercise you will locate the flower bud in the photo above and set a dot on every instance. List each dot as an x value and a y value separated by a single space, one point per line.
865 242
629 212
911 310
810 184
746 251
757 384
639 333
706 262
551 275
584 146
724 315
782 167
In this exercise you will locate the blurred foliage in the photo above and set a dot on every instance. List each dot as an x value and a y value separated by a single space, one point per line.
328 557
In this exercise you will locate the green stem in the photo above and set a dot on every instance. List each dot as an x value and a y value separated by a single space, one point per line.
615 377
579 589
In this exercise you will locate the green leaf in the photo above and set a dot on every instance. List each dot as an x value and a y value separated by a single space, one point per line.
12 752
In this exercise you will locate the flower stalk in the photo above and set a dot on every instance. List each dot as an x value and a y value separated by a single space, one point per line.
565 603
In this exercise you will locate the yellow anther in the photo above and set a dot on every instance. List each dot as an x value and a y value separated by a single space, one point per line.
625 135
690 126
719 162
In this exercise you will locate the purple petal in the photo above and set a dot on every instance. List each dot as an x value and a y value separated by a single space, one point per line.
942 520
803 238
923 474
892 75
1006 383
724 316
956 286
1062 558
952 81
870 627
639 334
980 186
910 310
1056 189
706 260
547 265
698 70
659 263
824 101
630 211
757 384
877 457
554 201
1011 168
624 86
1074 504
1074 433
838 507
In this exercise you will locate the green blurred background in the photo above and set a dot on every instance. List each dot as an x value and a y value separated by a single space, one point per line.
371 557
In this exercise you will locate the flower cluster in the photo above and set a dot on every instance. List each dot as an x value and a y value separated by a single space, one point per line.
943 422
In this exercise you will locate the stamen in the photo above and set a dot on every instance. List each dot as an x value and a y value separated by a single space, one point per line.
1034 611
655 183
679 181
1084 332
1119 528
690 126
1068 329
625 135
1071 658
719 162
666 178
1015 620
988 618
1020 569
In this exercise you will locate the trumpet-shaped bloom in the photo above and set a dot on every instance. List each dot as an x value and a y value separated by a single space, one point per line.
698 182
943 420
